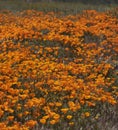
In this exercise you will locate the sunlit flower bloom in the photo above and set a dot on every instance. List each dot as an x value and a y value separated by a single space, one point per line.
87 114
69 117
43 121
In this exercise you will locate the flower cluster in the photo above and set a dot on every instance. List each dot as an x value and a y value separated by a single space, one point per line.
54 68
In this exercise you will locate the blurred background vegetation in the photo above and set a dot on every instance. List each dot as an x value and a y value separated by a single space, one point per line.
65 6
82 1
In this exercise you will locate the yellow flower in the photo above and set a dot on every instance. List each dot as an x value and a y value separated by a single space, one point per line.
64 110
97 116
71 104
43 121
58 104
1 113
20 115
23 96
69 117
26 113
45 117
52 122
51 104
10 118
71 123
87 114
56 116
31 123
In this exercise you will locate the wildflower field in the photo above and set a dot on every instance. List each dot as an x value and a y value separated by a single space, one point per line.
58 72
